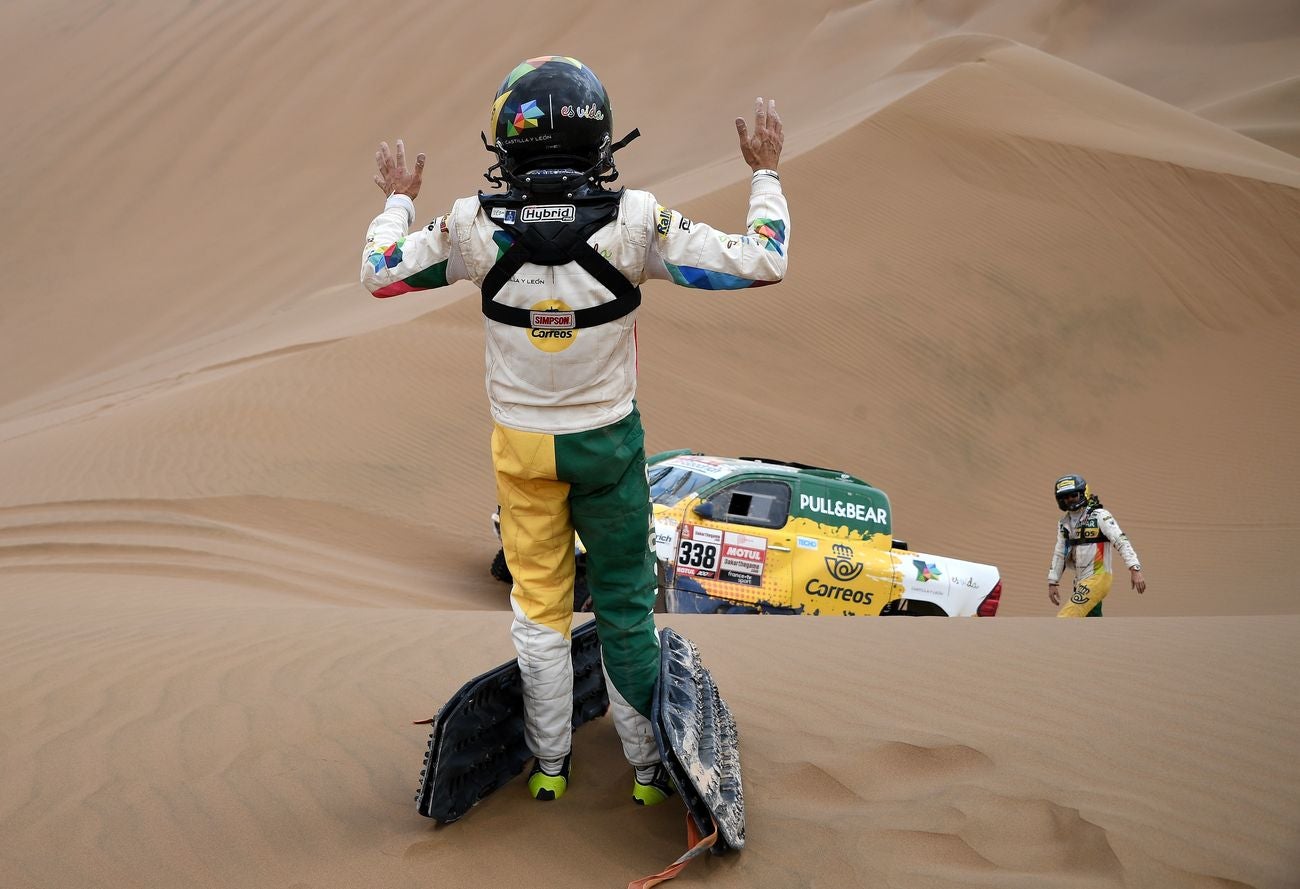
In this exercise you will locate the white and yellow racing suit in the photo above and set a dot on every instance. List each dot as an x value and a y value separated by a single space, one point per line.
1084 540
567 441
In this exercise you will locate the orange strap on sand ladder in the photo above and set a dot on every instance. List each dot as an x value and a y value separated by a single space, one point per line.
696 847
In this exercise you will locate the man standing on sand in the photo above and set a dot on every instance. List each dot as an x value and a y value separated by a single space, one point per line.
1084 539
559 260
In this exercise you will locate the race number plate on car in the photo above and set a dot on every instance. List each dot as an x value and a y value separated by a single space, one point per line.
697 552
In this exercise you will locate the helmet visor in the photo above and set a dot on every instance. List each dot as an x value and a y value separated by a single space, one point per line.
1069 500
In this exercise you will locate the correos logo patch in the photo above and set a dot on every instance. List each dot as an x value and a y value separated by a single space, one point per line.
552 326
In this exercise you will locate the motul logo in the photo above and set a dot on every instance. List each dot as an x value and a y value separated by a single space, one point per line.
552 320
549 213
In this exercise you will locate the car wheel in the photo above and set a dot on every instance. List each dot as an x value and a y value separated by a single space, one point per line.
500 570
920 608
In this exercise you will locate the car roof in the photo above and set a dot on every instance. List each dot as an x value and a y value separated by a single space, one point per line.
721 467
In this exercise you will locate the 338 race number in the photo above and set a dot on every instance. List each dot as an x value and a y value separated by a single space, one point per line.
692 554
698 552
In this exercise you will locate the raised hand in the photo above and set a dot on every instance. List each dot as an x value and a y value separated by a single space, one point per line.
393 177
762 148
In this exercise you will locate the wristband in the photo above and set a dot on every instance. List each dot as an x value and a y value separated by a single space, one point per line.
771 173
404 202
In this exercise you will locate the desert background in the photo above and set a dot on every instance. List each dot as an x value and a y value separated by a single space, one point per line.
244 507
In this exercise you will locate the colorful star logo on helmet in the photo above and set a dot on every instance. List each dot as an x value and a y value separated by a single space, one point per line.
926 572
389 257
527 116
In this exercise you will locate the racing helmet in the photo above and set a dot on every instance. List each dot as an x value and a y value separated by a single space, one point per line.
1072 492
552 116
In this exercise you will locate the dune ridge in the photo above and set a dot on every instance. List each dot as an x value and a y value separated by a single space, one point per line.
1261 113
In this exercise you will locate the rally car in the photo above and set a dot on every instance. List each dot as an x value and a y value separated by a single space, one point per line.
752 535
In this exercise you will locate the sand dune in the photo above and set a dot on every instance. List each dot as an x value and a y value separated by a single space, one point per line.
244 508
224 739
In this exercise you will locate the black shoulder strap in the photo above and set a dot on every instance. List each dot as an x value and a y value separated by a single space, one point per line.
556 243
1083 523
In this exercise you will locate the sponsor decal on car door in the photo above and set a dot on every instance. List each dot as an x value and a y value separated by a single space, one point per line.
744 557
843 577
740 566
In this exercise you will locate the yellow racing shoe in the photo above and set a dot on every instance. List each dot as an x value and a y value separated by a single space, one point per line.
544 786
652 786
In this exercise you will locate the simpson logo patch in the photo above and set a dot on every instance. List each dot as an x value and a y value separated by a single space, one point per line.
551 320
549 213
553 325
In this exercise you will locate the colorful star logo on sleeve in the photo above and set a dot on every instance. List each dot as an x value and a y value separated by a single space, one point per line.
772 231
389 257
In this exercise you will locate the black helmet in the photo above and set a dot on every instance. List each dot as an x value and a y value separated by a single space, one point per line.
1072 492
552 115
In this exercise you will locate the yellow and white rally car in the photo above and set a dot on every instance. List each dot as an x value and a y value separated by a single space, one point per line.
747 535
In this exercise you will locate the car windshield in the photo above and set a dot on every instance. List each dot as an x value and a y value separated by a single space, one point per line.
671 483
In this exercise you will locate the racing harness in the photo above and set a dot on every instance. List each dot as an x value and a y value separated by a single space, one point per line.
1088 530
555 234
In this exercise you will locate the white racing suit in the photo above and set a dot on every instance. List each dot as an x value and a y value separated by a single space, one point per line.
1084 540
567 443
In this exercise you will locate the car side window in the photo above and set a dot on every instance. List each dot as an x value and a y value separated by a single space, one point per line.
759 502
